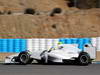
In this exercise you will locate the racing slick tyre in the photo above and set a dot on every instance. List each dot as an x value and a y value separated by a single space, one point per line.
84 59
24 58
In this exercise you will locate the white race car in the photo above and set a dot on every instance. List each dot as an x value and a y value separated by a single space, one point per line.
62 54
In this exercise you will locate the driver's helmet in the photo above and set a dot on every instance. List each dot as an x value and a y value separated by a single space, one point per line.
59 43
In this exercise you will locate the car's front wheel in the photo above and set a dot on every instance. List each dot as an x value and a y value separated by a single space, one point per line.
24 58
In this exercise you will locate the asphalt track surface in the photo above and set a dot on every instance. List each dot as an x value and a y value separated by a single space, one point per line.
59 69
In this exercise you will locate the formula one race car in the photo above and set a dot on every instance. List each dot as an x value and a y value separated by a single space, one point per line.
61 54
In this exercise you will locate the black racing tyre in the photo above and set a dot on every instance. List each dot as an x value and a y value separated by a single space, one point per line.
24 58
84 59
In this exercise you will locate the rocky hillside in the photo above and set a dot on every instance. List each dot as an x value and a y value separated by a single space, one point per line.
39 5
45 22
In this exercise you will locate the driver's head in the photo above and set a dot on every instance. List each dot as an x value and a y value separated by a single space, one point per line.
59 43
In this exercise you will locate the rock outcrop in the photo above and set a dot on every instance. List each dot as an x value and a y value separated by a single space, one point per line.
70 22
75 23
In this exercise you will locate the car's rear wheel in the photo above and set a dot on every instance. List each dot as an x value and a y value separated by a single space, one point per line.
84 59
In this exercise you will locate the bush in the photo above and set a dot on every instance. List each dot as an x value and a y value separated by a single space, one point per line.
87 4
54 26
56 11
71 3
29 11
9 12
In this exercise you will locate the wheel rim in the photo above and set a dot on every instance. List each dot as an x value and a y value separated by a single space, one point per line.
23 58
84 59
